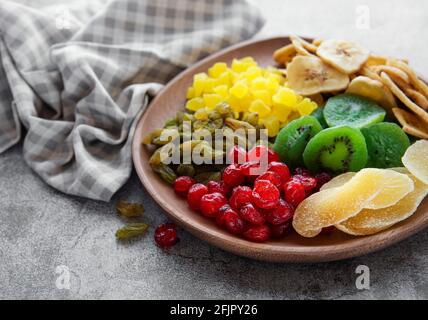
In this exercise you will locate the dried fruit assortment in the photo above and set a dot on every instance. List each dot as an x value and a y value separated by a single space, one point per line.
342 149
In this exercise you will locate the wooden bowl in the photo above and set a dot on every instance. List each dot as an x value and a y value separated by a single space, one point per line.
292 248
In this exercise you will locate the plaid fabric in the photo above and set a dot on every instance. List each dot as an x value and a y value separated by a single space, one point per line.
78 81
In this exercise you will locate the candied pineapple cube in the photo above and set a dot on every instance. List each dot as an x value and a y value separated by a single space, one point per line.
199 83
253 73
263 95
282 112
217 69
271 123
259 83
195 104
259 107
224 79
211 100
242 65
285 96
239 90
222 91
190 93
306 107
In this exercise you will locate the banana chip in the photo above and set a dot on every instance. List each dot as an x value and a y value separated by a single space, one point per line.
308 75
421 113
317 42
374 90
369 73
375 60
394 72
285 54
417 97
347 57
302 46
411 124
415 81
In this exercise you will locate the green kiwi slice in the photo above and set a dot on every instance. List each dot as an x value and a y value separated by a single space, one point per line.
292 139
339 149
386 145
352 110
319 115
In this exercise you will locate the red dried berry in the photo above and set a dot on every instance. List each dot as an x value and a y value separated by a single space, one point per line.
196 192
218 186
327 230
257 233
265 194
281 169
294 192
281 230
309 183
302 171
272 177
182 185
237 155
322 179
166 235
233 176
240 196
251 214
282 213
211 203
219 218
232 222
258 152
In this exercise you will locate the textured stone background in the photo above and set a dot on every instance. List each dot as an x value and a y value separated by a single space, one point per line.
41 229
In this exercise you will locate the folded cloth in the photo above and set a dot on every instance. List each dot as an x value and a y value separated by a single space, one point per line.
77 80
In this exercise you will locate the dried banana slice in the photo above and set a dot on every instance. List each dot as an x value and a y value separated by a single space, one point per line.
411 124
347 57
369 73
285 54
373 89
375 60
393 72
415 81
417 97
308 75
421 113
302 46
317 42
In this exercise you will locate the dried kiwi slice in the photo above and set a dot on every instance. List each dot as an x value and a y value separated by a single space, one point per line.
292 139
338 149
352 110
386 145
319 115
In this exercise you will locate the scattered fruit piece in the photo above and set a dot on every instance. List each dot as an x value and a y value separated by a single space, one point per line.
131 230
166 235
129 210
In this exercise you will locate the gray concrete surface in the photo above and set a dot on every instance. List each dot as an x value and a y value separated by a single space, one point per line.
42 229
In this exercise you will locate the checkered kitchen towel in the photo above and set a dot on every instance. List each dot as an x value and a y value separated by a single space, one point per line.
77 79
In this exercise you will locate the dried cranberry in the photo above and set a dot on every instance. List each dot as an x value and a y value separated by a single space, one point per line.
294 192
281 169
237 155
251 214
258 152
251 169
309 183
182 185
281 214
233 176
265 194
196 192
211 203
166 235
272 177
322 179
233 223
327 230
302 171
281 230
218 186
240 196
219 218
257 233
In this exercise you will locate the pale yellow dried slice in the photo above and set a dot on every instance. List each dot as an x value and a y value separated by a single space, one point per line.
415 160
370 221
389 195
369 73
333 206
417 110
346 56
394 72
375 60
285 54
411 124
302 46
338 181
317 42
414 79
372 89
308 75
417 97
